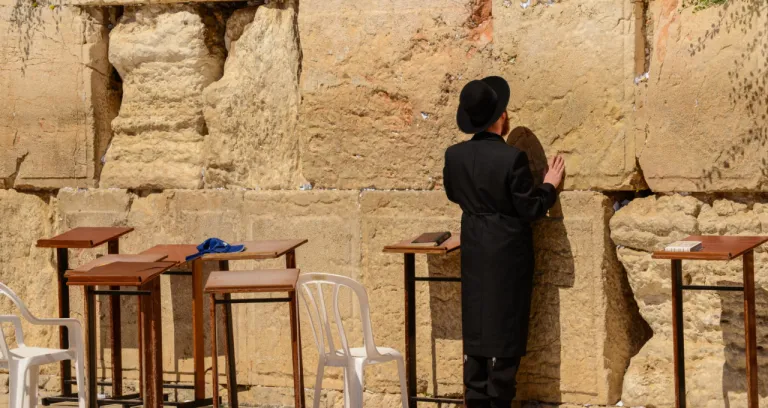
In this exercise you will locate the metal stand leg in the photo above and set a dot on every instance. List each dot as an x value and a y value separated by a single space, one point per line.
229 345
677 332
62 264
197 329
214 354
298 374
410 327
113 247
90 346
298 366
750 329
152 341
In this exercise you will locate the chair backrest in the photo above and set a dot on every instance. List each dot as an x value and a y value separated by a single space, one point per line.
5 290
311 287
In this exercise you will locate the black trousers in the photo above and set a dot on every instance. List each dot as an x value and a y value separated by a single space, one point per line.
490 382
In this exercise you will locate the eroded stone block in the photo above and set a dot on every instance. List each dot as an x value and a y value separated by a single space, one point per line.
166 56
713 322
252 111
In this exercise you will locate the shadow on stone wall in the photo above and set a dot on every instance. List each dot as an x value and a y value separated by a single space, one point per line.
527 141
732 324
555 270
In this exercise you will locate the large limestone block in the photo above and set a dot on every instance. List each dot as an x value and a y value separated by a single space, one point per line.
584 325
166 56
380 83
252 111
327 219
703 112
713 321
57 96
26 269
570 67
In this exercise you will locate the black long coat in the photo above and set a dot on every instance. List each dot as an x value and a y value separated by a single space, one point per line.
492 183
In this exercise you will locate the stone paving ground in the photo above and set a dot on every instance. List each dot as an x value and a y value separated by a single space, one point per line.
4 404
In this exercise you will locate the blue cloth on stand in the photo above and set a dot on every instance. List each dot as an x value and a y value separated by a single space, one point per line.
214 246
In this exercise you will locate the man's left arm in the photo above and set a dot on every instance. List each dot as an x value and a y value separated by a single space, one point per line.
530 201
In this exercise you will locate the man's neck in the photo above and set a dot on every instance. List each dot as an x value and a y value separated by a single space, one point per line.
496 132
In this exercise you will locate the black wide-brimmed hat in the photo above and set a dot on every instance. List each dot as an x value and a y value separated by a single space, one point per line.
481 104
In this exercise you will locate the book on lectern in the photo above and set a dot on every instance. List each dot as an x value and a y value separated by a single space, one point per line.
683 246
431 239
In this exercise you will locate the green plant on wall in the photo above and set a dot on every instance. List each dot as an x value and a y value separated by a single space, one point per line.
702 4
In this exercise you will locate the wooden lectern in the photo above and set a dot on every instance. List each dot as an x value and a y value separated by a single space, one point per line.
715 248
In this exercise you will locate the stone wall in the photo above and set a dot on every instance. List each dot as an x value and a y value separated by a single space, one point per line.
207 119
578 279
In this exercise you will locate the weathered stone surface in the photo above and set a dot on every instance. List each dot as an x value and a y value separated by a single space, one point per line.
713 322
584 326
380 83
166 56
703 112
569 65
252 111
578 279
26 269
57 99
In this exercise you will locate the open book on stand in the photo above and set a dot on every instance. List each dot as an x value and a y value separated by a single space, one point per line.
431 239
683 246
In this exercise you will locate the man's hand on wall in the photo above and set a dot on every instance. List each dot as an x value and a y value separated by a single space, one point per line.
555 172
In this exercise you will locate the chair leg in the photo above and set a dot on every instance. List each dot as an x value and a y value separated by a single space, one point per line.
353 377
30 397
13 384
318 383
80 377
403 387
17 383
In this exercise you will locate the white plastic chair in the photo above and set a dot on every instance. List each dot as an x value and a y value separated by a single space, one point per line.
23 362
353 360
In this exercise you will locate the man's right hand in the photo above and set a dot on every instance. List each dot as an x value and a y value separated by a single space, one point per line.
555 172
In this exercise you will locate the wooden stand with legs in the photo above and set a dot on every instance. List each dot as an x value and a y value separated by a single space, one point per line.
254 250
410 278
84 238
259 281
715 248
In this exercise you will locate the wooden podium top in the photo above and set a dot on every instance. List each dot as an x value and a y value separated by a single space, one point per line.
112 258
715 248
253 250
84 237
259 250
119 274
406 247
262 280
173 253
